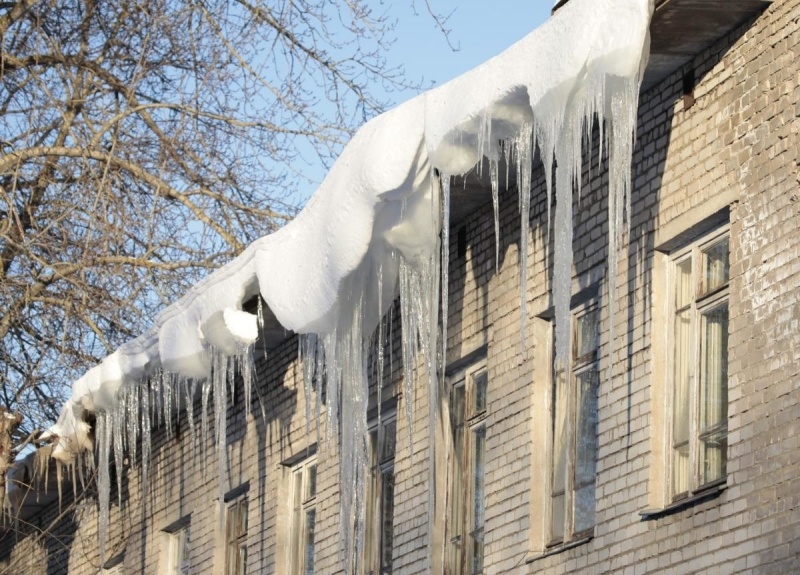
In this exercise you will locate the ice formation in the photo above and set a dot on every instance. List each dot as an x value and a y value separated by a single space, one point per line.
372 231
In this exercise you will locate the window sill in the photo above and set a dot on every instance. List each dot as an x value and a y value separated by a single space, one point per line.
707 493
560 548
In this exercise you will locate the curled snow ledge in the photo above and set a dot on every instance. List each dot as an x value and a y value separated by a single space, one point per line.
380 202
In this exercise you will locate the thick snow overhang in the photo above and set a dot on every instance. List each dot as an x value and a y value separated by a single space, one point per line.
374 212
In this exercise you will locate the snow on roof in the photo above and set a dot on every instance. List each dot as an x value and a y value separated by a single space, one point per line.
376 201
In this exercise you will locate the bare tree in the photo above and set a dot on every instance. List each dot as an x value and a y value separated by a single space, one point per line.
145 142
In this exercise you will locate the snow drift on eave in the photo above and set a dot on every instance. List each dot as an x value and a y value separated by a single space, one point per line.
376 201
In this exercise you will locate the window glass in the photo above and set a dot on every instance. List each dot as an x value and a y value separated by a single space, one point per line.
379 512
717 266
236 537
469 402
179 547
303 520
559 464
574 433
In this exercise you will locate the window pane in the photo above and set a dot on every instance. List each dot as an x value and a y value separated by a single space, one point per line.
683 283
559 455
714 374
477 552
714 394
388 446
586 427
242 560
714 456
557 524
311 482
559 434
297 490
680 469
479 477
459 484
585 450
717 265
184 552
311 517
586 333
481 382
387 521
681 402
478 497
583 517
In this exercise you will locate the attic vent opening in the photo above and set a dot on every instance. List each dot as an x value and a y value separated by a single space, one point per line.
688 89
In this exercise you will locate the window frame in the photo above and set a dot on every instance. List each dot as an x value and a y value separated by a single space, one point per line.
302 500
381 466
178 551
235 534
701 302
577 366
465 531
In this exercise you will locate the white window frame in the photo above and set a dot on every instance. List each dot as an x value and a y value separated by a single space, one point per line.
465 530
178 551
382 445
701 302
576 367
303 502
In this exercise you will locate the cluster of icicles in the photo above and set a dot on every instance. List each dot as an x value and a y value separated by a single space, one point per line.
408 252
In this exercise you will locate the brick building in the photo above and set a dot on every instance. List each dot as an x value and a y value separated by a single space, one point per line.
673 448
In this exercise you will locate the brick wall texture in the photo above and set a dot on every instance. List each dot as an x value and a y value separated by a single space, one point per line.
735 148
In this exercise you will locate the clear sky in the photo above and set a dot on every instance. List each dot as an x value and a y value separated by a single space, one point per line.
479 28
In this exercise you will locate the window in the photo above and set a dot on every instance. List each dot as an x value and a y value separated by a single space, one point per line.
466 515
380 496
236 536
304 516
698 280
178 551
574 433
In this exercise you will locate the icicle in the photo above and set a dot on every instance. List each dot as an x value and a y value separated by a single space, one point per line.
219 376
206 391
146 439
188 392
119 446
380 347
622 133
408 351
60 482
562 273
445 263
495 177
307 348
166 401
245 360
524 147
104 428
134 425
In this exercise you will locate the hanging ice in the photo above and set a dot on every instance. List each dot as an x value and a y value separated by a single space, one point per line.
372 231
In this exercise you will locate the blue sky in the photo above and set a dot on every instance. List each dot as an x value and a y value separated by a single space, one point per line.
481 29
